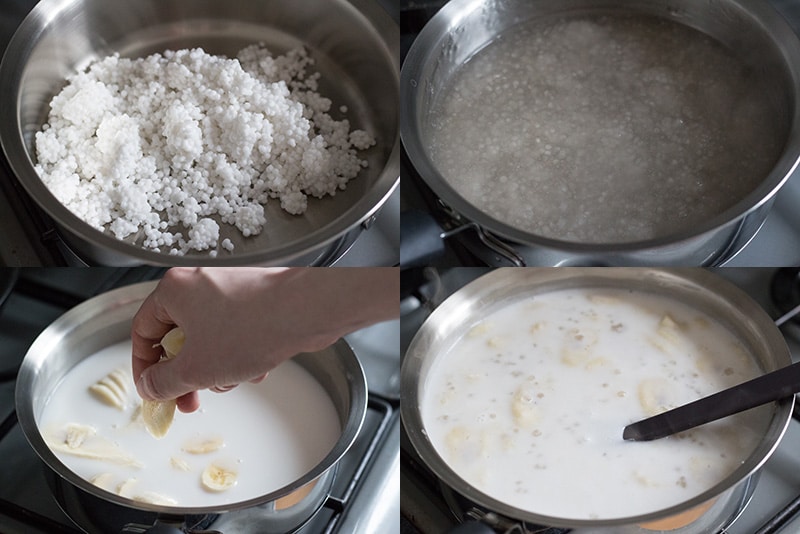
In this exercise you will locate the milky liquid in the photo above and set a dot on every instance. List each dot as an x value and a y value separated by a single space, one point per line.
530 404
273 432
605 129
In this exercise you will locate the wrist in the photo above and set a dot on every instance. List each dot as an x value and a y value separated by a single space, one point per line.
334 301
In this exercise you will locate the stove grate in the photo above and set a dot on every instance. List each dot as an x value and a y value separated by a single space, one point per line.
792 510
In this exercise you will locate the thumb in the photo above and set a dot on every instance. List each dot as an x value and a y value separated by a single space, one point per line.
159 382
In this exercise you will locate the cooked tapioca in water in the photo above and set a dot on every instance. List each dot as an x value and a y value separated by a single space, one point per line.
605 129
529 405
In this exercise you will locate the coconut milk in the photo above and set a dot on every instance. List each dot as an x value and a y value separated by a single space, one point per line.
530 404
273 433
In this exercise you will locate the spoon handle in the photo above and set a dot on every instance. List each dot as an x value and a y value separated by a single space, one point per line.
767 388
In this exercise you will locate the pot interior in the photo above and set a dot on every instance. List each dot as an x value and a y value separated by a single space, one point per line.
755 34
355 47
105 320
698 289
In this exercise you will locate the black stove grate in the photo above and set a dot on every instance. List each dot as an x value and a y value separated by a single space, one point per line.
792 510
20 513
42 236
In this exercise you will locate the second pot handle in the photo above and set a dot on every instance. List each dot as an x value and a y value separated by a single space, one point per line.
472 527
421 239
160 527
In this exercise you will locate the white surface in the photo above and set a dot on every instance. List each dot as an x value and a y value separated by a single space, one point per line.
501 404
274 432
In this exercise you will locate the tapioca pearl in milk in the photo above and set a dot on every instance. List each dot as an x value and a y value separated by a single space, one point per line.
529 405
273 433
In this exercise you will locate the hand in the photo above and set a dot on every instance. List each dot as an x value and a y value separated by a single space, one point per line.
242 322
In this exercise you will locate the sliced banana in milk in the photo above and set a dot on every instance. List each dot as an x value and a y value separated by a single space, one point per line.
524 410
579 346
670 338
203 445
113 389
217 477
180 464
158 415
128 489
151 497
84 442
654 395
104 481
75 434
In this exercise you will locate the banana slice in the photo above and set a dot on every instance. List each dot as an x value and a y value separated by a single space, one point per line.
669 338
579 346
203 445
524 410
654 395
151 497
113 389
218 478
172 342
127 489
179 463
158 415
104 481
76 434
83 441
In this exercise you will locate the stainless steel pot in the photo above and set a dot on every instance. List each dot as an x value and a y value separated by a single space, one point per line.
697 288
106 319
753 30
356 47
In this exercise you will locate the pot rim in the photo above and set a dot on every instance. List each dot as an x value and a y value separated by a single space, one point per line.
39 21
509 283
128 298
451 17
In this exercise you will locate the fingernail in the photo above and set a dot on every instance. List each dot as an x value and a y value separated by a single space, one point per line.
142 388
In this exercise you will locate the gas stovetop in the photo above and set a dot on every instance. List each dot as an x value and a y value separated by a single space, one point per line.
777 243
427 506
365 495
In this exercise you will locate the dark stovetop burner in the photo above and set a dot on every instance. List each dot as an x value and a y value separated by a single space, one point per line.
785 292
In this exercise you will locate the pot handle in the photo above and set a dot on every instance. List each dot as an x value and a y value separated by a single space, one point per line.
472 527
421 241
160 527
